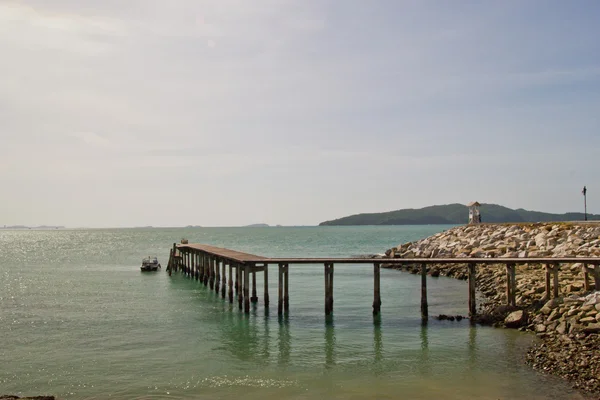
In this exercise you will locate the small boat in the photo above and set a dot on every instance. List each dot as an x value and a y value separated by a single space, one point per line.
150 264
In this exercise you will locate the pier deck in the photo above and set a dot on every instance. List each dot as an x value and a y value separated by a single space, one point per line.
209 264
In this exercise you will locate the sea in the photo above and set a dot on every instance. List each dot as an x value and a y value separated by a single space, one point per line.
78 320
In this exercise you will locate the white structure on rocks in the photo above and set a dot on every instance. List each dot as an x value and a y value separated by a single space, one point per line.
474 213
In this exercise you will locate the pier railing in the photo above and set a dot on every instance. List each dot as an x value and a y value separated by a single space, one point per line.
216 267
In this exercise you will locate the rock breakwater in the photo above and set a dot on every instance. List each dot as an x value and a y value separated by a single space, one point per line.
568 326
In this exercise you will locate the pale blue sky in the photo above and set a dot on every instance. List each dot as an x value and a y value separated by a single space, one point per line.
231 112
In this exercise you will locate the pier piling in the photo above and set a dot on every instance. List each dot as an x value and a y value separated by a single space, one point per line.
280 291
209 265
230 283
555 279
254 297
266 285
424 306
376 289
472 290
224 281
246 289
286 292
240 292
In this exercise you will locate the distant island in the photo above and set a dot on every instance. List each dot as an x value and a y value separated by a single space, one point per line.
30 227
453 214
257 226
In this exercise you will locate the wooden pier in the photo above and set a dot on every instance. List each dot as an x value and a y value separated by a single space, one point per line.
229 273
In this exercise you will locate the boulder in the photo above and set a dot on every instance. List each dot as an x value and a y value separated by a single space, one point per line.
516 319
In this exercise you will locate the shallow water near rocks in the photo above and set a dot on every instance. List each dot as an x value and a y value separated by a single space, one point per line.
80 321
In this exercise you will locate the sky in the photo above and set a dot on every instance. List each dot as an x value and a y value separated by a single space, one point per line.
231 112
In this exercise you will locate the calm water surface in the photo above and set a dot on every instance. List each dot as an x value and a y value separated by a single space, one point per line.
78 320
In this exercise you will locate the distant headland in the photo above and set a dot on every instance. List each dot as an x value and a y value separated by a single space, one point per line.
455 214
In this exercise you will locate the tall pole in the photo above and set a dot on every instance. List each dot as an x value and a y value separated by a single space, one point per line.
584 191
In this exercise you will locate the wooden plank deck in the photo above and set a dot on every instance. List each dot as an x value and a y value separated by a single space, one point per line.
228 254
246 258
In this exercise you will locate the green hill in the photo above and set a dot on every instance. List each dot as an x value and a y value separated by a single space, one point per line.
454 214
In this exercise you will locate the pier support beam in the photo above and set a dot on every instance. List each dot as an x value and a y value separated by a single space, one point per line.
266 285
280 291
548 269
376 289
595 272
211 280
511 285
254 297
246 289
217 264
206 269
286 292
586 278
472 290
424 306
240 292
328 269
224 280
230 284
555 280
200 271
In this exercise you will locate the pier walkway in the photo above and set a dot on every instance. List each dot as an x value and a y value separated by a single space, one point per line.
216 267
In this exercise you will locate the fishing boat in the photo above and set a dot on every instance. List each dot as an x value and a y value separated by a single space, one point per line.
150 264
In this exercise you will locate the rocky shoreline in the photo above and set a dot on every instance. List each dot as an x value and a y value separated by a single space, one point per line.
568 326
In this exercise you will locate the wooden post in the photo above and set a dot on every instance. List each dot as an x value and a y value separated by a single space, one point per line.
213 263
200 267
586 278
376 289
472 290
286 292
596 272
548 286
187 263
330 287
194 265
555 279
247 289
280 291
508 284
424 307
240 293
254 297
230 283
266 285
206 269
224 281
217 275
513 284
174 264
236 286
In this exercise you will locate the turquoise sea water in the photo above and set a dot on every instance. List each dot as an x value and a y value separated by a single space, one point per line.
80 321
